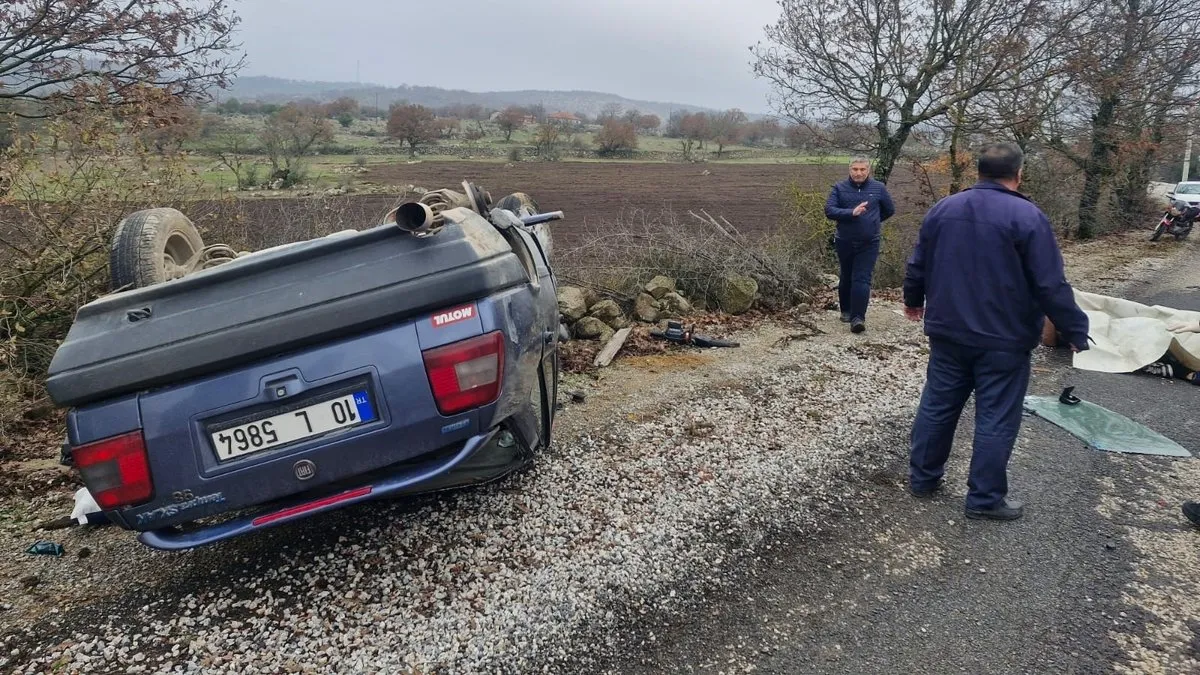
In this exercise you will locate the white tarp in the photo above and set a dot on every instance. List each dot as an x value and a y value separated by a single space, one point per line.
1129 336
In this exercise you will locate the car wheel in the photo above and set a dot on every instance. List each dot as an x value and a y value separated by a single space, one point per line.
153 246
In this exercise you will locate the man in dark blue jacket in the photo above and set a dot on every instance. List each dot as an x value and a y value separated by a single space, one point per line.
985 270
859 204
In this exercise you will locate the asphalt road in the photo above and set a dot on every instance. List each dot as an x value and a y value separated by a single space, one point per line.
900 585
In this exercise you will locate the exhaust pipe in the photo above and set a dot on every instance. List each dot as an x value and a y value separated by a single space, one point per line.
413 217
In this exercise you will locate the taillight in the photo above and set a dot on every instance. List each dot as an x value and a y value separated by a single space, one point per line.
116 470
466 374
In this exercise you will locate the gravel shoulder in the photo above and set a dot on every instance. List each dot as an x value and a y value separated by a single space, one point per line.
680 476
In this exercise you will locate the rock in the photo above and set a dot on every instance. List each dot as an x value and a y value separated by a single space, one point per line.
276 184
804 308
830 280
591 296
735 294
572 303
610 313
591 328
606 310
660 286
619 322
335 191
645 308
674 306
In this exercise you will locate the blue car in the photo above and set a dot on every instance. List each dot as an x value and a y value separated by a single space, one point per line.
418 355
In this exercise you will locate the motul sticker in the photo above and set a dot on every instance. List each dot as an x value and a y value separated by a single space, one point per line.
453 316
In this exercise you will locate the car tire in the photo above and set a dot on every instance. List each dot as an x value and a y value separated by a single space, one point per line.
518 201
152 246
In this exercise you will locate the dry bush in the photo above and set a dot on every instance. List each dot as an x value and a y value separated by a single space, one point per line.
255 224
620 256
58 218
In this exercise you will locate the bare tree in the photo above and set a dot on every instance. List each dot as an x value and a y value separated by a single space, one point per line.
236 152
696 128
610 111
648 123
511 119
616 137
547 141
84 52
412 124
289 135
1133 76
726 128
897 63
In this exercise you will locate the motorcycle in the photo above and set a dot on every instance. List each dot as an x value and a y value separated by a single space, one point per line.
1176 222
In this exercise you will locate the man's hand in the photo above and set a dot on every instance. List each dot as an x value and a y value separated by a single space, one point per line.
860 209
1184 327
914 313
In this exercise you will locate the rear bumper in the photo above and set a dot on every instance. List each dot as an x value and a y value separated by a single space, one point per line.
415 478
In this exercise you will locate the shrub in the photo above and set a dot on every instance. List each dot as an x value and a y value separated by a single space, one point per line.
622 256
616 138
64 207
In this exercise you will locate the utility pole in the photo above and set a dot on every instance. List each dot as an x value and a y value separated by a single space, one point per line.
1187 153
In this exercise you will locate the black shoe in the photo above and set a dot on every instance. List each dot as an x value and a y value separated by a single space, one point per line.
1191 510
927 492
845 317
857 326
1006 510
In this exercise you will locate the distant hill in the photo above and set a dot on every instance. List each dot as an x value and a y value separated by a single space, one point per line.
279 90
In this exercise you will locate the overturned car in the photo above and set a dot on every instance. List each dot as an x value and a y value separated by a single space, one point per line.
214 393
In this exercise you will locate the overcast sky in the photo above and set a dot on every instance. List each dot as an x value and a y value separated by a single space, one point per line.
681 51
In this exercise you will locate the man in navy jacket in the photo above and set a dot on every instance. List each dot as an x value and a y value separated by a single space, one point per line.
984 272
859 204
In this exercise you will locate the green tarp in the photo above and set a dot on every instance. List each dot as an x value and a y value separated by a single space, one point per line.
1104 429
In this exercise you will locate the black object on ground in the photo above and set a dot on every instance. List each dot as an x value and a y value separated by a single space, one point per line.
1068 398
675 332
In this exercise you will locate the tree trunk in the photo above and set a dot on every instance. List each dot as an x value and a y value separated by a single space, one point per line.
890 146
956 169
1097 167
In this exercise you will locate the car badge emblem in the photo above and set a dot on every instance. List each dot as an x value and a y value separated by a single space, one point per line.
304 469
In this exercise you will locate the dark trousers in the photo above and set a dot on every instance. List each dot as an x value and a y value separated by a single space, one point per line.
856 260
999 380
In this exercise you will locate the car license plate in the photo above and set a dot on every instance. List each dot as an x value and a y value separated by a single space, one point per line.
271 432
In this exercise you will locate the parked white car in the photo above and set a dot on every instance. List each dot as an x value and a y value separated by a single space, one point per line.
1188 191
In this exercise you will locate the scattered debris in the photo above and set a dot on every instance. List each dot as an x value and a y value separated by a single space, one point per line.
87 511
577 396
613 346
56 524
1102 428
786 340
84 552
675 332
30 581
46 548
